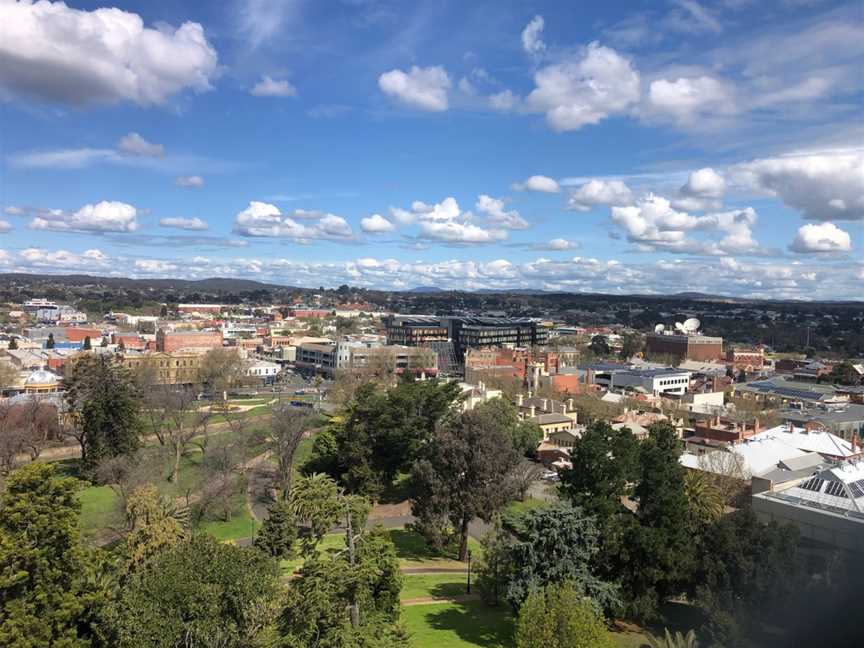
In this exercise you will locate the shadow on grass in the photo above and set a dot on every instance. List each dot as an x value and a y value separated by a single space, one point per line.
476 623
410 545
447 590
398 491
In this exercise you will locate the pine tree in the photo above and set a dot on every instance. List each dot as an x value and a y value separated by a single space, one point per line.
87 344
279 532
49 343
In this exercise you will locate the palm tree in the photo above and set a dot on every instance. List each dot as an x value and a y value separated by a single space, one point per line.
706 500
673 640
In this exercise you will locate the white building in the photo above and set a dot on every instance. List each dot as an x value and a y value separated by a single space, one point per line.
54 314
263 370
653 381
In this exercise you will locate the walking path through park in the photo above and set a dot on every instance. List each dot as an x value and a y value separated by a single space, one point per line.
433 600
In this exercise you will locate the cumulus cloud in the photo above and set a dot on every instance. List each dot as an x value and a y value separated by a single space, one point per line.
270 87
195 224
134 144
51 52
532 36
262 219
423 88
190 182
822 186
557 245
599 192
541 183
105 216
703 190
156 266
445 221
5 226
495 213
686 100
59 260
821 237
654 224
376 224
504 101
587 88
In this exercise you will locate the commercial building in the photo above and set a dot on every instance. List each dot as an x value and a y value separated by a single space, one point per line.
262 370
170 341
684 347
843 419
54 314
465 332
746 359
174 368
652 381
371 357
784 390
191 309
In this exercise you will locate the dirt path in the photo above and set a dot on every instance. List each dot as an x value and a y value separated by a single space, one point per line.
431 600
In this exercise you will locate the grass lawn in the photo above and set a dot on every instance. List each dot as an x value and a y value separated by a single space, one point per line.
414 552
241 525
434 585
100 508
518 507
459 625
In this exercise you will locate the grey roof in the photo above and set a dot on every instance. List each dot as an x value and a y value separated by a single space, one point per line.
850 413
546 419
809 461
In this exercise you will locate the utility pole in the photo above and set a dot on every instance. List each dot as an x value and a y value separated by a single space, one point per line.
468 589
354 607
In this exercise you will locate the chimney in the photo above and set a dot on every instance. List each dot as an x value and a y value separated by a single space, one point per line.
519 400
570 403
532 411
545 406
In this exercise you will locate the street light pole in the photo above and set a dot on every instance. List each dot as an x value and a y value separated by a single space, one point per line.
468 589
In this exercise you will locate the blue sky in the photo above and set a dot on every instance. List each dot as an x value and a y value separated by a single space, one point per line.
648 147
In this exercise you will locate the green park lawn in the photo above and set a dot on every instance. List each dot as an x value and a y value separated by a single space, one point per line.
100 509
459 625
433 585
241 525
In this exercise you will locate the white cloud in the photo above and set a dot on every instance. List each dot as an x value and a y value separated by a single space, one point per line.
192 182
184 223
821 237
265 220
558 245
460 232
261 20
703 190
600 192
269 87
504 101
52 52
541 183
687 100
423 88
5 227
60 260
495 213
134 144
445 221
105 216
532 36
822 186
376 224
586 89
156 266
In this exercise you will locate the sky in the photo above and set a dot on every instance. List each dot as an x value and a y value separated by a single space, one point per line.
618 147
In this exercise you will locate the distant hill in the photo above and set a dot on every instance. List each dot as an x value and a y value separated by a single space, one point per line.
214 284
426 289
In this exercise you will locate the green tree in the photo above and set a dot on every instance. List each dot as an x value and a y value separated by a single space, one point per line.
465 473
49 343
661 548
704 498
558 616
105 405
554 544
320 601
87 344
13 344
673 640
279 531
200 593
48 594
155 524
599 346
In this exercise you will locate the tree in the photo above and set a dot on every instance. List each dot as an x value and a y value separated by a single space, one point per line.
87 344
199 592
155 523
660 551
524 475
288 427
632 343
554 544
673 640
558 616
8 374
48 596
24 430
604 465
104 406
279 531
340 604
13 344
220 370
104 342
180 419
705 500
464 473
599 346
49 343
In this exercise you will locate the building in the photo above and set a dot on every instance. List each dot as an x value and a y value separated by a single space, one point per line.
843 419
42 381
827 508
54 314
724 430
262 370
79 334
652 381
473 395
465 332
169 368
784 390
320 358
684 347
192 309
745 359
170 341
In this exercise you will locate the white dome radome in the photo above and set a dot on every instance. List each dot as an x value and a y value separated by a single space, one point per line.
41 377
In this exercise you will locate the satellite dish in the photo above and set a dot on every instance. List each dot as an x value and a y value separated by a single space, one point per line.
659 328
680 327
692 325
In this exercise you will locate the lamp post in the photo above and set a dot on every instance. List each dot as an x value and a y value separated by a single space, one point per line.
468 589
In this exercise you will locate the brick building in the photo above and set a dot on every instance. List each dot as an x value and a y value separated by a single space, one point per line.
746 359
684 347
171 341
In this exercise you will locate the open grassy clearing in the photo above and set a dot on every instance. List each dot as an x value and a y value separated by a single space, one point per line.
433 585
459 625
